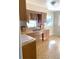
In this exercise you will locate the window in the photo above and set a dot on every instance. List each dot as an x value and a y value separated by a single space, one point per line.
31 23
49 21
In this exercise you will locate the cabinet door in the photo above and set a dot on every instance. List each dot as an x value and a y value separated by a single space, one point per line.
22 9
33 16
44 16
28 16
29 50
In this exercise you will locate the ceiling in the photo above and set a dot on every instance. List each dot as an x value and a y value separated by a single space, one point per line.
47 4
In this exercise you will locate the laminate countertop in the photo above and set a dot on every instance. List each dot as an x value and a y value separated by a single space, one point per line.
25 39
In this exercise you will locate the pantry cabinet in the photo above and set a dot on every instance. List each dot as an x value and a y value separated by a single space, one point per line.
22 9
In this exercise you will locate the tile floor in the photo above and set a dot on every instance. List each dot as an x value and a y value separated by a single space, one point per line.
49 49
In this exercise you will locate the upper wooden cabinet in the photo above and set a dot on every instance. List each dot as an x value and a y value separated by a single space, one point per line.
22 9
34 15
44 17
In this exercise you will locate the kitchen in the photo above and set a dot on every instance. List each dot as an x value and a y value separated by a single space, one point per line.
34 29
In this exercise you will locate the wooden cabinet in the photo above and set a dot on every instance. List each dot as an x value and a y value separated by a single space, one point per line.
28 15
29 50
44 16
33 15
22 9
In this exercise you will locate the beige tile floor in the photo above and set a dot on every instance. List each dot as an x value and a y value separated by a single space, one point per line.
48 49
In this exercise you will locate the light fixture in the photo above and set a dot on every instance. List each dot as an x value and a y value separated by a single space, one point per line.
53 2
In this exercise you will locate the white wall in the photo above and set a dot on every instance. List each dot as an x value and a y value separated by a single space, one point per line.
50 13
57 23
55 29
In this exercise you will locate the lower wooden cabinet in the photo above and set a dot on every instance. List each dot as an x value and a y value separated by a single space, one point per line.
29 51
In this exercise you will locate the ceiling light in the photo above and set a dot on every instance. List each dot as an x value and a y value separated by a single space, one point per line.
53 2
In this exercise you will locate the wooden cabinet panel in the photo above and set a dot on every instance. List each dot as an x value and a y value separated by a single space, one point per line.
29 50
44 16
22 9
28 16
39 18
